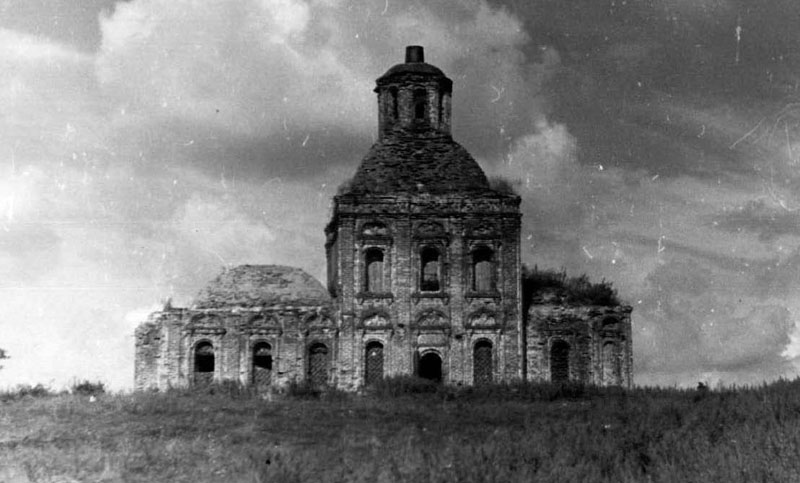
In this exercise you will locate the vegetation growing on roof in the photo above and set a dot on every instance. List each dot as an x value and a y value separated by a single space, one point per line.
501 185
345 187
559 288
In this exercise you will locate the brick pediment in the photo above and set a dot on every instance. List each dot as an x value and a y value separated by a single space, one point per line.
315 321
205 324
261 324
376 321
431 320
483 320
430 229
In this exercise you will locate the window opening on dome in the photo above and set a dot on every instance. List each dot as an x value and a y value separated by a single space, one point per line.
420 98
393 102
483 270
429 268
373 276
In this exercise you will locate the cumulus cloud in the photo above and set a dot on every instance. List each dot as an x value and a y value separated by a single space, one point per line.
262 67
238 64
703 306
197 138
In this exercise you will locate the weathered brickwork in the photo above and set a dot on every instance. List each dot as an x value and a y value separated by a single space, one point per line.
424 277
409 318
595 342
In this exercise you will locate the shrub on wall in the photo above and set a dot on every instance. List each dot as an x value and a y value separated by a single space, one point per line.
570 290
501 185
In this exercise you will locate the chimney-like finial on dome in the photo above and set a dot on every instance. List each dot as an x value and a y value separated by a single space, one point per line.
415 53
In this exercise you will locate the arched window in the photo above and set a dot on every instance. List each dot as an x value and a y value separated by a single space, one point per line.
373 276
318 365
429 270
262 364
483 270
611 369
482 369
420 103
373 363
203 363
393 102
559 361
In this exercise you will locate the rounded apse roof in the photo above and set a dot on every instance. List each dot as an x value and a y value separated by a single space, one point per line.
262 286
418 164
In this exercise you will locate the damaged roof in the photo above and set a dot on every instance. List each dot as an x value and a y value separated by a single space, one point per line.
262 286
418 164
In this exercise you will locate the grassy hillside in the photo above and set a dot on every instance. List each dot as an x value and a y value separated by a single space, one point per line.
501 434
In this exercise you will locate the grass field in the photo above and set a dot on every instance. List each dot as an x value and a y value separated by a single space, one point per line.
405 433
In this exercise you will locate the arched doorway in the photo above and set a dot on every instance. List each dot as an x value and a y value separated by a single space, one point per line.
203 363
482 363
611 369
318 365
262 365
559 361
430 367
373 363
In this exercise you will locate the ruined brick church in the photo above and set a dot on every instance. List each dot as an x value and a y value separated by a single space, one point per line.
423 277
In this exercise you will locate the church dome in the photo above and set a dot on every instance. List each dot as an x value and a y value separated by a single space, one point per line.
418 164
262 286
415 65
418 68
415 152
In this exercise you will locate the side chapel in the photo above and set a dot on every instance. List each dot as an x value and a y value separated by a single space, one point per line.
423 277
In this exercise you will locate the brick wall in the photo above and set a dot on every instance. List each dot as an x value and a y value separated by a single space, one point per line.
454 225
599 339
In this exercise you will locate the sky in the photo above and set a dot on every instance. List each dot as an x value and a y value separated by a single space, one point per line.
147 144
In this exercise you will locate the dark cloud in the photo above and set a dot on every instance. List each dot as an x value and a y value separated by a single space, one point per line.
696 325
779 276
626 65
298 152
758 218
